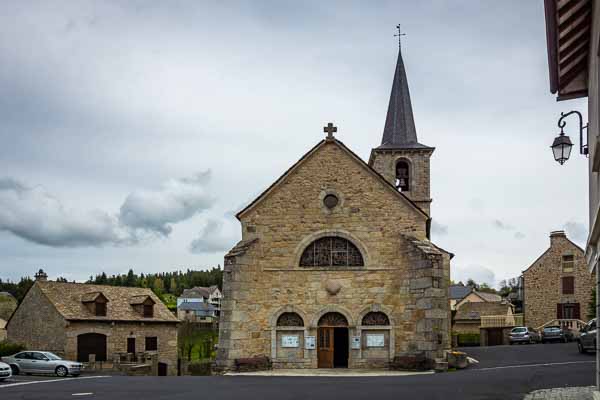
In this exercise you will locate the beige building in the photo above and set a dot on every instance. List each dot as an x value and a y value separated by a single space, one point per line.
558 285
76 320
2 329
335 267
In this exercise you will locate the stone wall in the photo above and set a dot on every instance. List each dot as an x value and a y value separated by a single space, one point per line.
404 275
543 282
384 162
37 325
117 334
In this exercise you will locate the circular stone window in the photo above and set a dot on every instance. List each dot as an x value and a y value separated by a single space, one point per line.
331 201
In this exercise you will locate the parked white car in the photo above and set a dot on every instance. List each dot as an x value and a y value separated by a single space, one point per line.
5 371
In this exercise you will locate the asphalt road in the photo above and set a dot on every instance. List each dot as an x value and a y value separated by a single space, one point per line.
504 372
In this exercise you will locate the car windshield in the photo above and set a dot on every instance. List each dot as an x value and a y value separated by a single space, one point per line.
553 329
519 330
52 356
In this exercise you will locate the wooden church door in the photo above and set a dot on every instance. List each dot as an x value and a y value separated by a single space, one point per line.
325 347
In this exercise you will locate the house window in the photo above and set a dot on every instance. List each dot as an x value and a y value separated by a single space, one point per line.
148 310
568 285
331 252
568 311
568 262
152 343
100 309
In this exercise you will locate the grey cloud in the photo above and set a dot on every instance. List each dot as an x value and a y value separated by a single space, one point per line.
576 231
478 273
502 226
156 211
33 214
439 229
212 239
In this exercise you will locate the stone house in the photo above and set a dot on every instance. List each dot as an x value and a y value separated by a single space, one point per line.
197 312
209 295
558 285
76 320
456 293
335 267
475 296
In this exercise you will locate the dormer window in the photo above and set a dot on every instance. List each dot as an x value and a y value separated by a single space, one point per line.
402 176
96 303
148 310
144 305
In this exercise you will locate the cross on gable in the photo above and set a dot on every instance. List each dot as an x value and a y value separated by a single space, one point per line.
330 129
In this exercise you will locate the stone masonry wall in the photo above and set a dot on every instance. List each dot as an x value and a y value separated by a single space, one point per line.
384 162
403 276
37 325
117 334
543 283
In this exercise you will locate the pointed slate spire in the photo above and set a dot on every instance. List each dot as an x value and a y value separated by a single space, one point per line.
400 131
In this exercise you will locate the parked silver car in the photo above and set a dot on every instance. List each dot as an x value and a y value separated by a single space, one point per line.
524 334
587 337
5 371
41 362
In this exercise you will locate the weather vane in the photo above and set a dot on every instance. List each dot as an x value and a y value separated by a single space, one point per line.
399 34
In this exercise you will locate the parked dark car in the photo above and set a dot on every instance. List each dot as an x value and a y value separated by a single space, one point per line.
587 337
557 334
524 334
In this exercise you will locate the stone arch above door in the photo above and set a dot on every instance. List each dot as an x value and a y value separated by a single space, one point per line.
336 309
375 308
287 309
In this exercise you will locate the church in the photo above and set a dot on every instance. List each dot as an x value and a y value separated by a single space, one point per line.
335 267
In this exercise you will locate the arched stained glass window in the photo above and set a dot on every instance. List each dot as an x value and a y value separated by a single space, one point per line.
290 319
331 251
375 318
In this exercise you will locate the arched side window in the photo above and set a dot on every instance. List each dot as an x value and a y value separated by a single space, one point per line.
375 318
331 251
403 176
290 319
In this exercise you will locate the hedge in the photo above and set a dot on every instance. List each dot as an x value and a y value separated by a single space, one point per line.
8 348
468 339
200 368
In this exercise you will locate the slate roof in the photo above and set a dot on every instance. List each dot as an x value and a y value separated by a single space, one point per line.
459 292
198 292
399 131
489 297
68 300
474 311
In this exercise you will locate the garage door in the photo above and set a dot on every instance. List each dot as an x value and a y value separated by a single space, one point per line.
91 343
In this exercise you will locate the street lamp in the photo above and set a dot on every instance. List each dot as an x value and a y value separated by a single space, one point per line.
561 147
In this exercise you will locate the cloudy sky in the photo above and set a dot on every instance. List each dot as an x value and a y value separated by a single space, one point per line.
132 131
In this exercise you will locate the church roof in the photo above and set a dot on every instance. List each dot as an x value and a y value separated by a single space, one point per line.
399 131
353 155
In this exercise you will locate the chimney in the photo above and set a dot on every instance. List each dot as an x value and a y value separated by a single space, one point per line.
41 276
557 235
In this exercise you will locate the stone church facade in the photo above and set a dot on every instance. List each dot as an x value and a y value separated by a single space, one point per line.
335 267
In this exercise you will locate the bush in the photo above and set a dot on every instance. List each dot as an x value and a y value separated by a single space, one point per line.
200 368
468 339
8 348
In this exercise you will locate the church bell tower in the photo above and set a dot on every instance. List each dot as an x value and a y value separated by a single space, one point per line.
400 158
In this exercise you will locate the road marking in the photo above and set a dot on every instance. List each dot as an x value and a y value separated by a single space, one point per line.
535 365
82 394
52 380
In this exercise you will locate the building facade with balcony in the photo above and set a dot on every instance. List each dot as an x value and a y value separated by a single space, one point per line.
558 286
